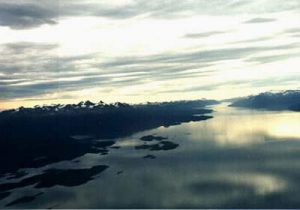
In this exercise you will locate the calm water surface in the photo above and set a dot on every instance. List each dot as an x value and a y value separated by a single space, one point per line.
238 159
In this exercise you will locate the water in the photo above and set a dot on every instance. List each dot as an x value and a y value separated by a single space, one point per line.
238 159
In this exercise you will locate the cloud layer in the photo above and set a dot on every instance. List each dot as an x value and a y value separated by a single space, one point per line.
142 50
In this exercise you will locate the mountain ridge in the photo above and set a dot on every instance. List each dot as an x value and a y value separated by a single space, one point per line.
282 100
85 105
27 134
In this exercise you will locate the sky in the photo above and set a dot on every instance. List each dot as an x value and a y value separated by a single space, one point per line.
66 51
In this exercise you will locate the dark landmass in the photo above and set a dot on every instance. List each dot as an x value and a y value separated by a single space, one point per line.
295 107
115 147
17 175
149 157
158 146
163 145
53 177
286 100
119 172
4 195
24 199
151 138
33 137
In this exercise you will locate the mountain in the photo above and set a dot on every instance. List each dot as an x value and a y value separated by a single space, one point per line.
33 137
284 100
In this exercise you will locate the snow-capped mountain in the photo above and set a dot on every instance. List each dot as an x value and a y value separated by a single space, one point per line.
284 100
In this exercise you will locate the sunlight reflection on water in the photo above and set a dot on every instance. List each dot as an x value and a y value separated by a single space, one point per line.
238 159
243 126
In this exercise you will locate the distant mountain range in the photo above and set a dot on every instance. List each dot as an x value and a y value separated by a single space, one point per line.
100 107
54 109
285 100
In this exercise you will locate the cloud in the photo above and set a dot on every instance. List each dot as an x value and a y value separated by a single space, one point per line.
20 48
34 69
198 56
259 39
272 58
292 32
28 15
203 35
123 63
260 20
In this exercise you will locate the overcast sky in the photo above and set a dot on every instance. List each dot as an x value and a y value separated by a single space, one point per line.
146 50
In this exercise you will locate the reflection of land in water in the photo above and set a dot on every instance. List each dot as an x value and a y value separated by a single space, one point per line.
149 157
24 199
53 177
4 195
162 145
152 137
50 178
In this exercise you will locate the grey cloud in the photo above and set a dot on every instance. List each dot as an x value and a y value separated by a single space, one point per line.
29 13
26 62
12 92
203 35
5 80
268 82
32 69
41 71
260 20
274 81
296 35
46 87
27 57
200 56
271 58
183 61
20 48
173 8
206 87
292 32
260 39
239 3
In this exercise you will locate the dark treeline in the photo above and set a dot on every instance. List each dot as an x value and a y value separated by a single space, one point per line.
32 137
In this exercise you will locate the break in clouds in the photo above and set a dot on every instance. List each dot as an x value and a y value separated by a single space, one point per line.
140 50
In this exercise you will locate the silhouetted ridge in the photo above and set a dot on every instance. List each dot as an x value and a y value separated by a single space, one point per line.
32 137
88 106
285 100
83 106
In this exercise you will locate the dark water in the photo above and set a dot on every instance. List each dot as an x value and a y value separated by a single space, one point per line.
237 159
